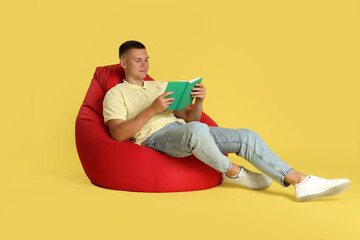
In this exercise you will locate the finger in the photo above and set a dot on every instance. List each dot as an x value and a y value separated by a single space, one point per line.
199 87
197 95
200 91
168 103
167 93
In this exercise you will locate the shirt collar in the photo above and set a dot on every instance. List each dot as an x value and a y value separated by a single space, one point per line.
137 87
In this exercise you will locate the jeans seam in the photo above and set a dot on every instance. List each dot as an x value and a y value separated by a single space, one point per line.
154 145
282 173
253 149
270 164
208 157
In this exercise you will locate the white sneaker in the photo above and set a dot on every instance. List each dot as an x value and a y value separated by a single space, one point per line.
313 187
249 179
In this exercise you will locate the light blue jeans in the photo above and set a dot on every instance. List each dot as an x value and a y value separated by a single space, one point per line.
209 144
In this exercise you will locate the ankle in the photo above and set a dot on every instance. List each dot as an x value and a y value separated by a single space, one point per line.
294 177
233 171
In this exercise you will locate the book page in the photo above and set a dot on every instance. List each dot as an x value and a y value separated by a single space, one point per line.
193 80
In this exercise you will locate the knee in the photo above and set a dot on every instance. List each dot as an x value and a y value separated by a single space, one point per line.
194 133
251 133
196 127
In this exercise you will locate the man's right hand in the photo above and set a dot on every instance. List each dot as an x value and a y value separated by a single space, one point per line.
161 103
122 130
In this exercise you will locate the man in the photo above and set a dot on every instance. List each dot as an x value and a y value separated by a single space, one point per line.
135 109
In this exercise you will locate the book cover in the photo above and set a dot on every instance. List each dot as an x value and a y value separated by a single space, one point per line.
182 93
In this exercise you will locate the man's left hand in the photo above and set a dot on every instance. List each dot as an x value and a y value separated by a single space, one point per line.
198 92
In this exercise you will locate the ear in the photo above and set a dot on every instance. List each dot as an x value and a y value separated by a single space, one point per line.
123 63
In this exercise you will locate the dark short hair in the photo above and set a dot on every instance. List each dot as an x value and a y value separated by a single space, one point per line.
128 45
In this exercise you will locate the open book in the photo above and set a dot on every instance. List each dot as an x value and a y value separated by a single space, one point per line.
182 93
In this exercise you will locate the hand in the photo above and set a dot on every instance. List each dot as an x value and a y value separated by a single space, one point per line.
161 103
199 92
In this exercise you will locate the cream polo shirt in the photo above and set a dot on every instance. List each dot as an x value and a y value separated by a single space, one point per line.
125 101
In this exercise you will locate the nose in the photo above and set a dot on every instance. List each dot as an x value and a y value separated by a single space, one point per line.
143 64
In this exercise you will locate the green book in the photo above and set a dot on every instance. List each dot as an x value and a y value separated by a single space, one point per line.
182 93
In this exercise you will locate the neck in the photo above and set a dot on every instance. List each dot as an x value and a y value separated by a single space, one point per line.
139 82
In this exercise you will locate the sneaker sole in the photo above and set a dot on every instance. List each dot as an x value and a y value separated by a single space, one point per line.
330 192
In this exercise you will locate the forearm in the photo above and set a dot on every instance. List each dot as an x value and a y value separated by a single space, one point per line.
195 112
127 129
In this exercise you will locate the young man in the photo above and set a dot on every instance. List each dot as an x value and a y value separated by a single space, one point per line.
135 109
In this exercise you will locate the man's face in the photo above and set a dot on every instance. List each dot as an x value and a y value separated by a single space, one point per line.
135 63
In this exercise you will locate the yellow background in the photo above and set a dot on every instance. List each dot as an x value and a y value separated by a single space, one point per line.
288 70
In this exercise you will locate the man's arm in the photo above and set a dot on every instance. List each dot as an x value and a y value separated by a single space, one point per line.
194 114
123 130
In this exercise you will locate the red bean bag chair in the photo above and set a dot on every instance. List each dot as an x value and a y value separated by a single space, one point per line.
126 165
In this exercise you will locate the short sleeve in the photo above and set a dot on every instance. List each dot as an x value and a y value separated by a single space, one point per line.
113 106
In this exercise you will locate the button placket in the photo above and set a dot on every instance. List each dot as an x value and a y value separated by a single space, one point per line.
144 92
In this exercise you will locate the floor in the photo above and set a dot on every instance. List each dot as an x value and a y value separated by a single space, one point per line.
65 205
